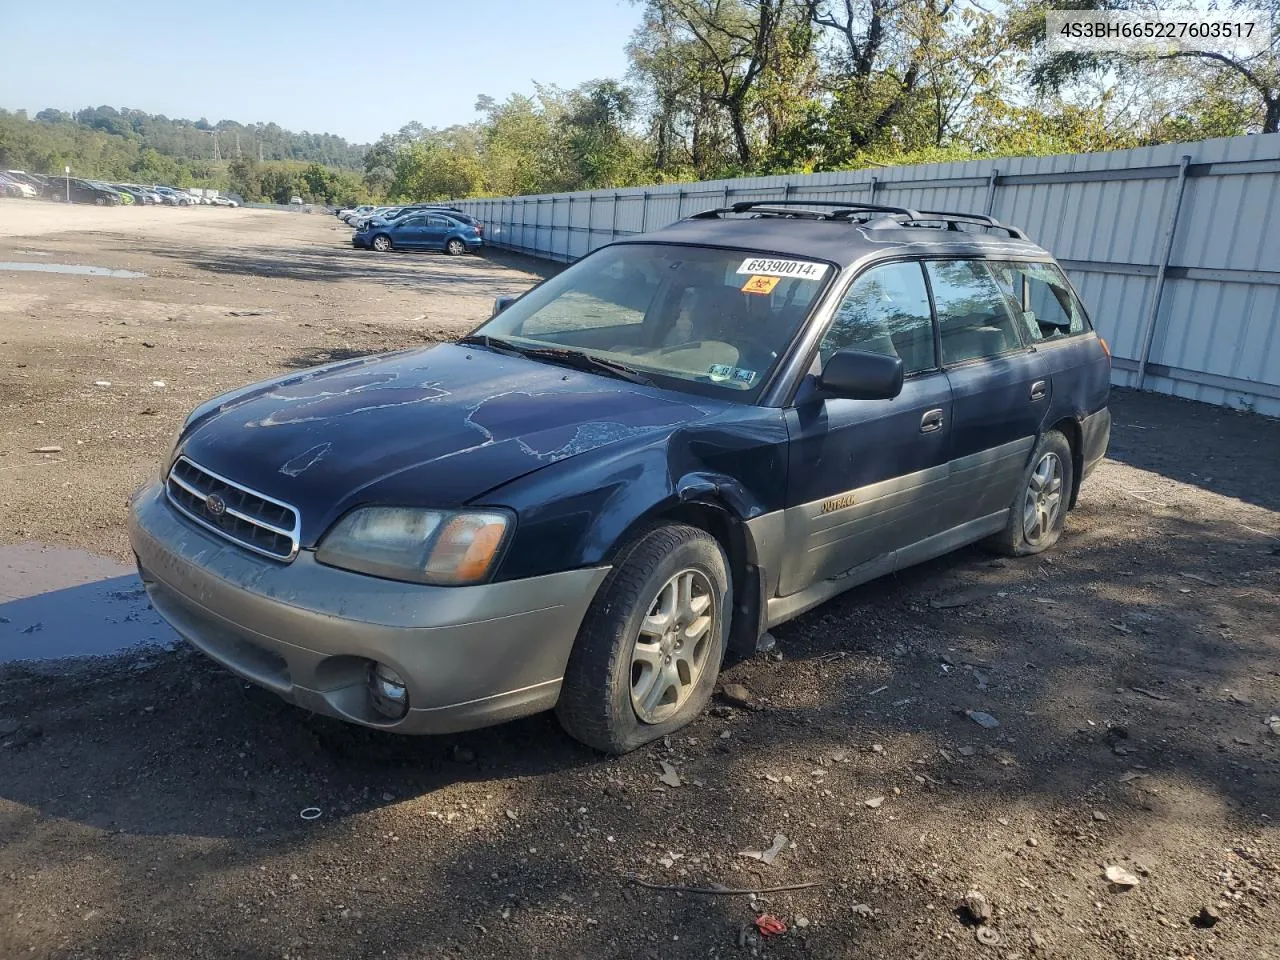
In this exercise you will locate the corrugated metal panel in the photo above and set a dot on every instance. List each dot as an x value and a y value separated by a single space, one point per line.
1216 339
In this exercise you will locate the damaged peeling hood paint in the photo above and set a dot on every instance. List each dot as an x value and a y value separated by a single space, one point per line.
435 427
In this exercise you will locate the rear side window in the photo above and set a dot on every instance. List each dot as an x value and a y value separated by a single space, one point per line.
437 222
975 318
886 311
1041 296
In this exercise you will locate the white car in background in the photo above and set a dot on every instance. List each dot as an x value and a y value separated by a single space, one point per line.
13 184
347 214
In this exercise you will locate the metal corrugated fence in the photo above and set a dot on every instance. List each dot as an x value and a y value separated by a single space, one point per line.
1175 249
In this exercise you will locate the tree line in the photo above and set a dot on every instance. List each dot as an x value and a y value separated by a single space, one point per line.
721 88
260 161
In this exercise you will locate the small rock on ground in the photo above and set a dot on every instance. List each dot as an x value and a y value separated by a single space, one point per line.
737 694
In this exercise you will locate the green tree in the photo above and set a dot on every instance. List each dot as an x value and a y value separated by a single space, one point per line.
1225 77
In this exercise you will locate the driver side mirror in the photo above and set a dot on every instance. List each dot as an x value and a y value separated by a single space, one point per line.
501 303
857 375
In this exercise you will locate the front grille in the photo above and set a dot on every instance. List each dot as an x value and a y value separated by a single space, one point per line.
254 521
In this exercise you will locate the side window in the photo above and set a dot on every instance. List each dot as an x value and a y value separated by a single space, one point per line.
411 221
1052 310
1039 294
975 316
886 311
440 222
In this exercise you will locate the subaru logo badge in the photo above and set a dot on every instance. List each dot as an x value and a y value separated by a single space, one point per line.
215 505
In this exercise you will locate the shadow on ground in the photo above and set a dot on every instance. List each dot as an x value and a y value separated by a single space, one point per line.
488 274
1131 671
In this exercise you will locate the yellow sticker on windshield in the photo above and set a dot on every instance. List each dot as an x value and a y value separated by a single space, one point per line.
758 284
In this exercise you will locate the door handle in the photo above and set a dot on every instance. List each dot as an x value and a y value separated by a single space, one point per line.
931 421
1039 389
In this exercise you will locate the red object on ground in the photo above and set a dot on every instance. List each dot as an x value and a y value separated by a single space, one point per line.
768 925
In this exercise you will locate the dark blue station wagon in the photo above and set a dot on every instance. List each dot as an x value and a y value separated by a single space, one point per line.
643 463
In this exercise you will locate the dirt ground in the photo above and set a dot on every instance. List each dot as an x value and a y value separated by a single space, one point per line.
156 813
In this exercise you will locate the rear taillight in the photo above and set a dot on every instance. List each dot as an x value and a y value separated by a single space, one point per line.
1106 348
480 229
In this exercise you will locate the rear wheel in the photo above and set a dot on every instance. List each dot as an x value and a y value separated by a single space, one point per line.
651 645
381 243
455 247
1038 513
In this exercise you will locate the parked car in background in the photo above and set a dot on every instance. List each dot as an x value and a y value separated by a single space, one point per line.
140 196
382 213
463 217
180 198
401 212
295 201
682 440
221 201
82 191
11 186
36 181
365 209
126 198
420 230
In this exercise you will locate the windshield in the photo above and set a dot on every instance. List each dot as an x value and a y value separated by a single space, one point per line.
713 322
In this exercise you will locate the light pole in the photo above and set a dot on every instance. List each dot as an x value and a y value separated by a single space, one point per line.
67 168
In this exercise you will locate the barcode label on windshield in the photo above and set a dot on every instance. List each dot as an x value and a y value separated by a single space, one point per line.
799 269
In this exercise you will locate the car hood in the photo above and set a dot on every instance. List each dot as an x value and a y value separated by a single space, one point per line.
434 427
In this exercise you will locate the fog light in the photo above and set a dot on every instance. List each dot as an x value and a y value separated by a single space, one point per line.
387 691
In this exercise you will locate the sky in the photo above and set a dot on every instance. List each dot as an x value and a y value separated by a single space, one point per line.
357 70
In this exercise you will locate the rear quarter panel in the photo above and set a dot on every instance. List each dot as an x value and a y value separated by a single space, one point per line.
1081 375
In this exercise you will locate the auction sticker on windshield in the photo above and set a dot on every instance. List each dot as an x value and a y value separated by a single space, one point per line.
760 284
768 267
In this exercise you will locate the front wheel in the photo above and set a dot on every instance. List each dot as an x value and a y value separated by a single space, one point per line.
382 243
1038 513
650 647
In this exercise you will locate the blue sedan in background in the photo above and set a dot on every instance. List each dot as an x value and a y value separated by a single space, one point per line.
420 231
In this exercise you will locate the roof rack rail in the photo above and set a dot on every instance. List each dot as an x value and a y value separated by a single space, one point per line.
747 206
844 210
951 219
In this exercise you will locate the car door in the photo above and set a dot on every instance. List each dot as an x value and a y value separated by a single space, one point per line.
866 476
410 233
437 231
1000 390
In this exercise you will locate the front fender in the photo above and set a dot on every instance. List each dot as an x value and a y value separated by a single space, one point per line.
580 511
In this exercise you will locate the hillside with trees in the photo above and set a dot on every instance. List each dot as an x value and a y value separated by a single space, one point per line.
260 161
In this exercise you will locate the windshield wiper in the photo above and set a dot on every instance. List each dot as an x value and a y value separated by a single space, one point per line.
591 363
562 355
497 344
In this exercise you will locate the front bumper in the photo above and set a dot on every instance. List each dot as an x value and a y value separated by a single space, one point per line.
470 656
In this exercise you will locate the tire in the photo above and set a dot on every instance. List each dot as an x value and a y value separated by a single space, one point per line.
1038 513
381 243
455 247
608 697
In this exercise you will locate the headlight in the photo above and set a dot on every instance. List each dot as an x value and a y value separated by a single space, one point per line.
425 546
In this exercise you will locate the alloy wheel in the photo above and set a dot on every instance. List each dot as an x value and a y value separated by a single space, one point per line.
1043 501
671 649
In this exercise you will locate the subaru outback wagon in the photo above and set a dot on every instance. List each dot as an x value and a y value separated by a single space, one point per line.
646 461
